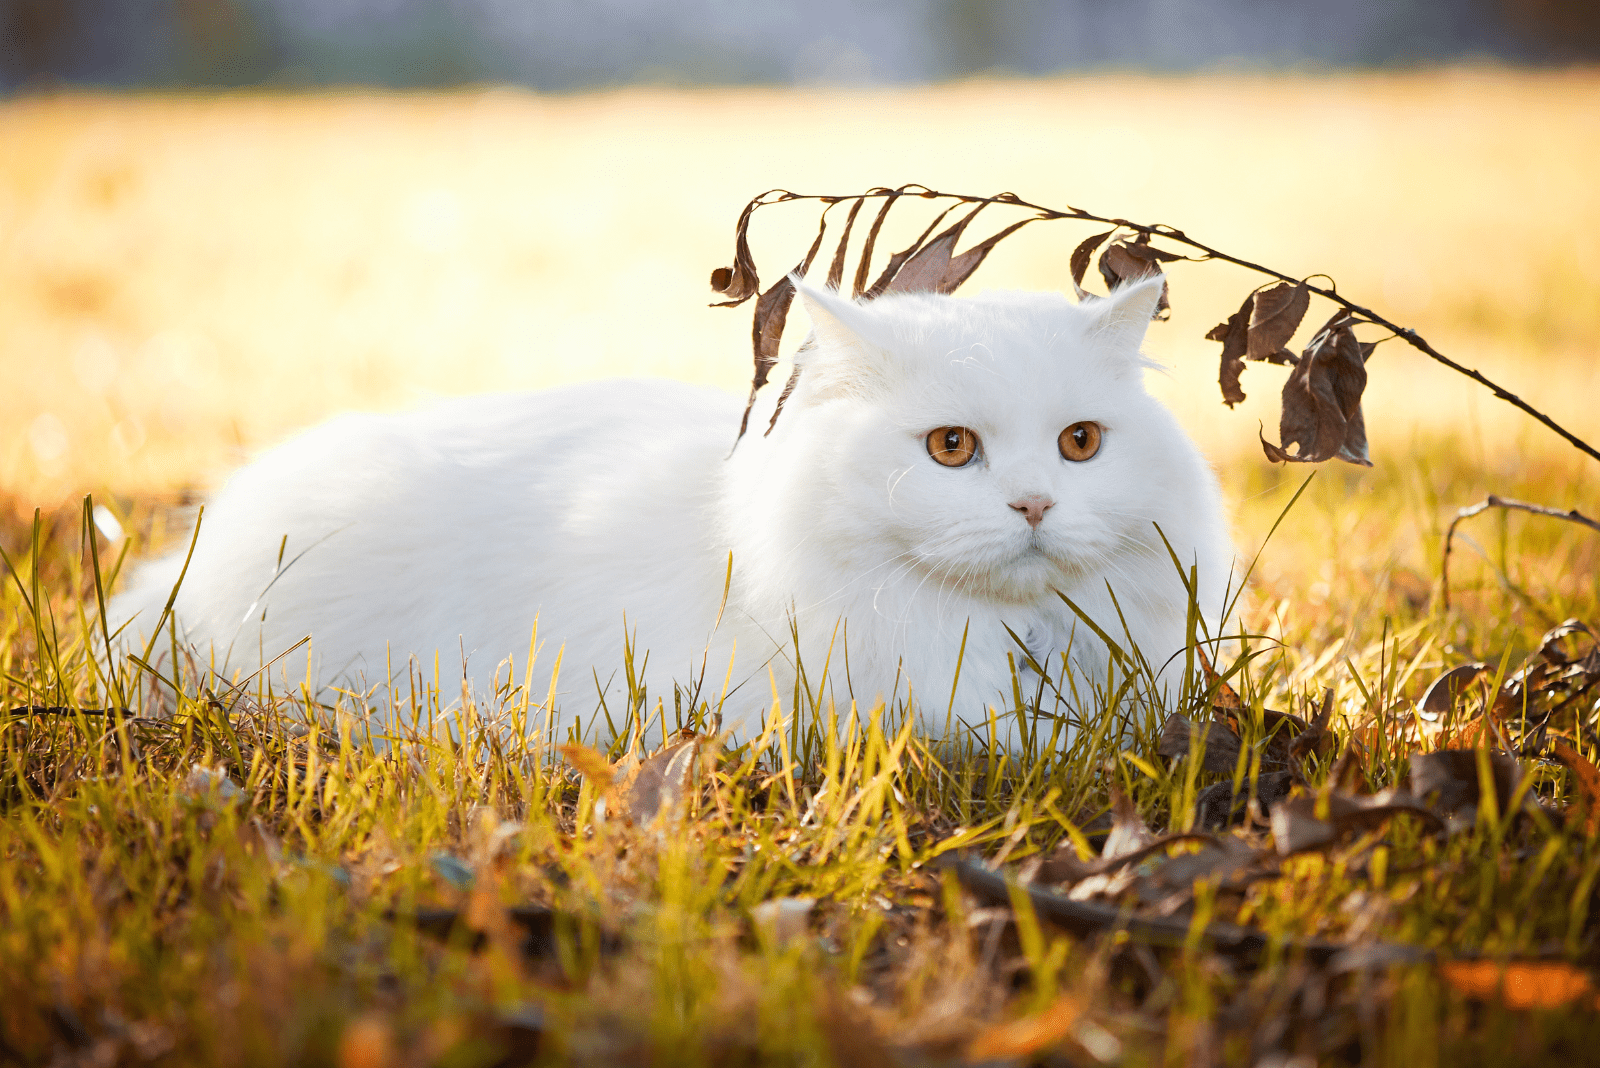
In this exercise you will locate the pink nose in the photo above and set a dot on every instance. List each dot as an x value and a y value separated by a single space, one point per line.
1033 507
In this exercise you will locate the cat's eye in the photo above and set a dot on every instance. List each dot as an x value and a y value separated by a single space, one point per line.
953 446
1080 441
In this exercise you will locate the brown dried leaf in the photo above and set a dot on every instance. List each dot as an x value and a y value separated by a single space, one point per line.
1219 859
1312 821
1520 984
1220 745
1556 677
1588 777
1080 262
1121 263
1024 1038
1447 780
898 259
924 271
1128 830
1227 697
661 784
836 268
1141 248
1322 400
860 285
739 282
1316 738
772 312
766 334
1235 337
1218 806
1063 865
1274 319
1447 689
934 268
962 266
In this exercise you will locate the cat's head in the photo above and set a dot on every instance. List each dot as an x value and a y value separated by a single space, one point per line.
1003 445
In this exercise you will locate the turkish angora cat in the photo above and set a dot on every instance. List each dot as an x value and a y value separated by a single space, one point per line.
944 467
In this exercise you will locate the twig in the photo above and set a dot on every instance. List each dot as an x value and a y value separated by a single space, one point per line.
1091 917
1493 501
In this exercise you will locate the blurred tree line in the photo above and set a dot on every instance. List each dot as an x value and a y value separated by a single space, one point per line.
569 44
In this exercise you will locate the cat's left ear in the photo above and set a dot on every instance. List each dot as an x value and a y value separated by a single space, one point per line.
849 352
1122 318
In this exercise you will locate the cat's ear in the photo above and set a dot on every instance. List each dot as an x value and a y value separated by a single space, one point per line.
849 349
1121 319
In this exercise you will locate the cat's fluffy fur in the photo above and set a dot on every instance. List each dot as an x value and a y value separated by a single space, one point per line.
453 528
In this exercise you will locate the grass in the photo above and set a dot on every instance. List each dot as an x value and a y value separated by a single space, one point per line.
181 284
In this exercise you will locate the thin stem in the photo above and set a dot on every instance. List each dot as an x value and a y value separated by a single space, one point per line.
1492 501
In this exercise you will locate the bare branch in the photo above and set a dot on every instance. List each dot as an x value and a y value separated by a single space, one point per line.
1492 501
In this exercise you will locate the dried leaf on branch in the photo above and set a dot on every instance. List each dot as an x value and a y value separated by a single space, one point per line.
1234 334
1322 416
1322 399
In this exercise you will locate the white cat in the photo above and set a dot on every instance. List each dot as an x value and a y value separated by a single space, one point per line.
943 470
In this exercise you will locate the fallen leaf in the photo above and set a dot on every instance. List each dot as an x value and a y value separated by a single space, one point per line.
1311 821
660 784
1064 867
1030 1035
1274 318
1128 829
1226 696
1219 806
1519 984
367 1042
1447 781
1219 745
1316 738
1588 777
1322 400
1220 857
1443 693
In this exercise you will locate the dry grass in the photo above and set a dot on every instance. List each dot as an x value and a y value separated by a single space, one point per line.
184 280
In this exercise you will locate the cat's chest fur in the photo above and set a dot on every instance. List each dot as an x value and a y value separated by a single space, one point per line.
867 557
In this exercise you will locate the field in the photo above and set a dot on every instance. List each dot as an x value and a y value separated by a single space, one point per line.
184 280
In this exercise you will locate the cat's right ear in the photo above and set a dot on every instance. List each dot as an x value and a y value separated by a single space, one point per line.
848 355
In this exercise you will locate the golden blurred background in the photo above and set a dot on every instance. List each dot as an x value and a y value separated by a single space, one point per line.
185 279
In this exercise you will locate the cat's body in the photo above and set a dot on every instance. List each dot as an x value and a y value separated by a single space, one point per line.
453 529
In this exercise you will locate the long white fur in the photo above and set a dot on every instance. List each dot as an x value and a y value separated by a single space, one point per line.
607 512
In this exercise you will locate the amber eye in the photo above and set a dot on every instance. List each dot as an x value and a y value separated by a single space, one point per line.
1080 441
953 446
